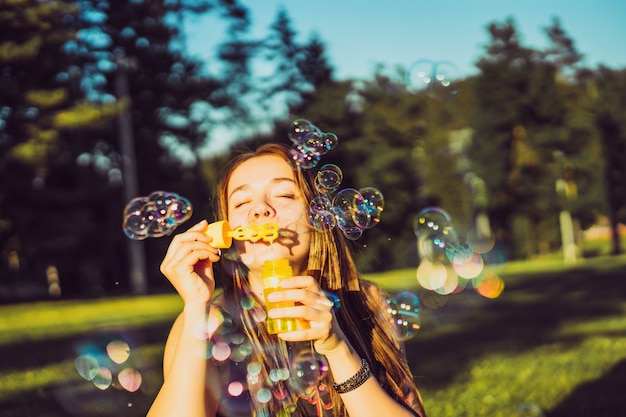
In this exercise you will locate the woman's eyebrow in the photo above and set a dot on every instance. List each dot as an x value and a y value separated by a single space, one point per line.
277 180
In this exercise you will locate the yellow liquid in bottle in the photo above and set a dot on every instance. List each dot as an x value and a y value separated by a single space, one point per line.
273 272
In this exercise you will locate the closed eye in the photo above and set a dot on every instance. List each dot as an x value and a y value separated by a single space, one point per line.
239 204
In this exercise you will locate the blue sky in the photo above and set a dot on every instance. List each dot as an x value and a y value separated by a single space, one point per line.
360 34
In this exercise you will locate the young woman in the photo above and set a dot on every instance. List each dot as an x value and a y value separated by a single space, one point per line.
220 359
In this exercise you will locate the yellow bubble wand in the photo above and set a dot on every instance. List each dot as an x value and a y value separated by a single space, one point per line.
223 235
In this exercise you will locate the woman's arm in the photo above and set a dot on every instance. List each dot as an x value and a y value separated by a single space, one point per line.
189 378
368 399
191 382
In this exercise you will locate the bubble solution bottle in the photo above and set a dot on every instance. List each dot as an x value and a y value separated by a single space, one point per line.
273 272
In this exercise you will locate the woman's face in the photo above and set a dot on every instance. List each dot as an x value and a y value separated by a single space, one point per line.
262 190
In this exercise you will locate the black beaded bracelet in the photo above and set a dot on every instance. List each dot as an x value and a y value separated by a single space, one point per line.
356 380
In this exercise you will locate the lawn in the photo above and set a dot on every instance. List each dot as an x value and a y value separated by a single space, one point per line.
553 344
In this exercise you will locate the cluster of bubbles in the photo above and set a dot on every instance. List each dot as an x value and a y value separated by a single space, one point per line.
438 79
309 143
231 351
109 368
448 265
156 215
349 209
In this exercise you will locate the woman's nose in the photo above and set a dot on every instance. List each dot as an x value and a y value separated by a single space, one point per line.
261 211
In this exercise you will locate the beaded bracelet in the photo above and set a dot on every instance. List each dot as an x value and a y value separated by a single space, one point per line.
356 380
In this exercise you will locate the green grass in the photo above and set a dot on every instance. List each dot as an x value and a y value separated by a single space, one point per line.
554 339
36 321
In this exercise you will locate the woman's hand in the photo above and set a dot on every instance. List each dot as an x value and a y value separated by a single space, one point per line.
311 305
188 264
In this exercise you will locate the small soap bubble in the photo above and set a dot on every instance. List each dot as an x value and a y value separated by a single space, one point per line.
431 219
351 210
315 143
307 370
299 129
405 314
155 215
438 79
330 141
320 204
374 202
328 179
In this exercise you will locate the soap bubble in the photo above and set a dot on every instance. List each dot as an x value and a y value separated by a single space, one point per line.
299 129
155 215
307 370
321 213
309 143
431 219
374 202
404 311
438 79
328 179
351 210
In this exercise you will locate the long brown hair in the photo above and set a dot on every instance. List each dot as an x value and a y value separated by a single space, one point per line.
361 314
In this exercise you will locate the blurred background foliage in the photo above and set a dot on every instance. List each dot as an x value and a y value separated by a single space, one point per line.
80 80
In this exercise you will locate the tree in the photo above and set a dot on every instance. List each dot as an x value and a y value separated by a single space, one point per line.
38 89
169 93
609 103
519 123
